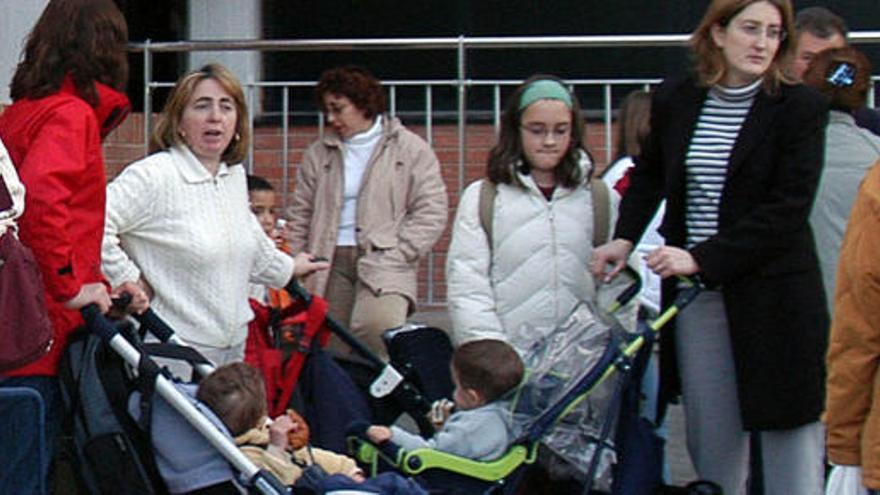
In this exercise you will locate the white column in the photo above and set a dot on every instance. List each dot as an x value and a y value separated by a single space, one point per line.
227 20
18 17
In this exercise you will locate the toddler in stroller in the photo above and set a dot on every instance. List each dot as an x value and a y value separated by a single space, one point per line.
484 372
236 394
567 402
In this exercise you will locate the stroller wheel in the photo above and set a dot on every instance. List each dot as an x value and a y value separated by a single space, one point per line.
703 488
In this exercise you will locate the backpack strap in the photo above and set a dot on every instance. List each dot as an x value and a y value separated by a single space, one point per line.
601 211
488 191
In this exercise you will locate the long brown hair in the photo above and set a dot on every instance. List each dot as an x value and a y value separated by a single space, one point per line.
167 131
506 157
83 38
711 66
634 123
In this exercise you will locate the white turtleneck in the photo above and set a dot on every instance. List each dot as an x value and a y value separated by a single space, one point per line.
356 153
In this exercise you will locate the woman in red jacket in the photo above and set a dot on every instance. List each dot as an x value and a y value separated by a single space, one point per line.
67 98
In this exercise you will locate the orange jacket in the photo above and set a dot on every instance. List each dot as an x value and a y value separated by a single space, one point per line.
853 389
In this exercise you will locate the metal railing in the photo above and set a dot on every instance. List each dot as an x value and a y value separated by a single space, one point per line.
461 83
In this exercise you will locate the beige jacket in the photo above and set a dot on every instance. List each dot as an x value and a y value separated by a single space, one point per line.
401 209
286 466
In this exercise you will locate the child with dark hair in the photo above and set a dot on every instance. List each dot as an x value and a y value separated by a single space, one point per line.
236 393
262 198
484 372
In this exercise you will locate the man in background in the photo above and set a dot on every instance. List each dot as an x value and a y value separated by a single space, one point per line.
819 29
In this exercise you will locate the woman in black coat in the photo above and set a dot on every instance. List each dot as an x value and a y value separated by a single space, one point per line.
737 151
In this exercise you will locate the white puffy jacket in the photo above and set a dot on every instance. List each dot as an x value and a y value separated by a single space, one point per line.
536 271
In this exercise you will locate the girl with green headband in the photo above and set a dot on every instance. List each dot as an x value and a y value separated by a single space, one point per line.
518 263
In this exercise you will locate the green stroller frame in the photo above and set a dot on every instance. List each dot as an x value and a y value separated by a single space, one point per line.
498 475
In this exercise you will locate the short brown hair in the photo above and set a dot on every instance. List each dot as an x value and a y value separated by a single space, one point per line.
82 38
355 83
236 393
841 97
167 132
491 367
820 22
708 58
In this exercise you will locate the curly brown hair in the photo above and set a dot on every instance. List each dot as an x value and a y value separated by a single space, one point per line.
709 61
506 157
236 393
355 83
82 38
844 98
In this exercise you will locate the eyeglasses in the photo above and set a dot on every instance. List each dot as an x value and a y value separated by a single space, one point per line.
539 132
337 110
754 30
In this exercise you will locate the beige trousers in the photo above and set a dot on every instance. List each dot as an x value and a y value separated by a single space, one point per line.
366 314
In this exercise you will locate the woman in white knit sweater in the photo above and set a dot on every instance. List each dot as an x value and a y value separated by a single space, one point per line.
179 235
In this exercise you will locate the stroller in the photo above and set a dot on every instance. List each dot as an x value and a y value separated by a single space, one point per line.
567 402
113 433
113 450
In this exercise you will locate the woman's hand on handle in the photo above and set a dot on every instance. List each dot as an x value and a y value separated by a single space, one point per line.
613 253
669 261
140 297
306 264
94 293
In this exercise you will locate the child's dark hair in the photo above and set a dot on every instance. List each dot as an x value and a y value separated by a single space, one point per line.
257 183
237 395
491 367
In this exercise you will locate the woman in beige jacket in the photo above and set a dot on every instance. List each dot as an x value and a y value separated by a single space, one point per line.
369 197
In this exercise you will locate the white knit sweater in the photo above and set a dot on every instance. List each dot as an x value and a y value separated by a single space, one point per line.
195 240
15 189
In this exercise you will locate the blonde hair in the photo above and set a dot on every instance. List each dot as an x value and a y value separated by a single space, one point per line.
710 64
167 132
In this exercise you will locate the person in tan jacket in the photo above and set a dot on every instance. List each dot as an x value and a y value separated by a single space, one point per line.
852 410
370 198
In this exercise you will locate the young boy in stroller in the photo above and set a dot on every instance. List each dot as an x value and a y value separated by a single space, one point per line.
484 373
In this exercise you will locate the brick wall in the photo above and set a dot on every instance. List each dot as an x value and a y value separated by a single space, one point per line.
126 145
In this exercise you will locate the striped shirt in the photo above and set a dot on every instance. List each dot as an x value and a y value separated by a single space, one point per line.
708 155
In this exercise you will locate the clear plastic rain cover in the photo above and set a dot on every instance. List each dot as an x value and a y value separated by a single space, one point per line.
556 360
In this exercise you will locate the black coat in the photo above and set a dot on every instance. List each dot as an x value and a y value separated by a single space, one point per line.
763 257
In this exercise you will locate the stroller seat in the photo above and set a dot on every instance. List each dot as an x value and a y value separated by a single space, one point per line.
184 458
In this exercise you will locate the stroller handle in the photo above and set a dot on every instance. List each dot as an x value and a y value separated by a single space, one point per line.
298 291
630 292
156 325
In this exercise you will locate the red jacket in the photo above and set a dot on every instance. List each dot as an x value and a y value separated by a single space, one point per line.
55 144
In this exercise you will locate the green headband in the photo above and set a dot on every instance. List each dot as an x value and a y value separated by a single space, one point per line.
544 89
